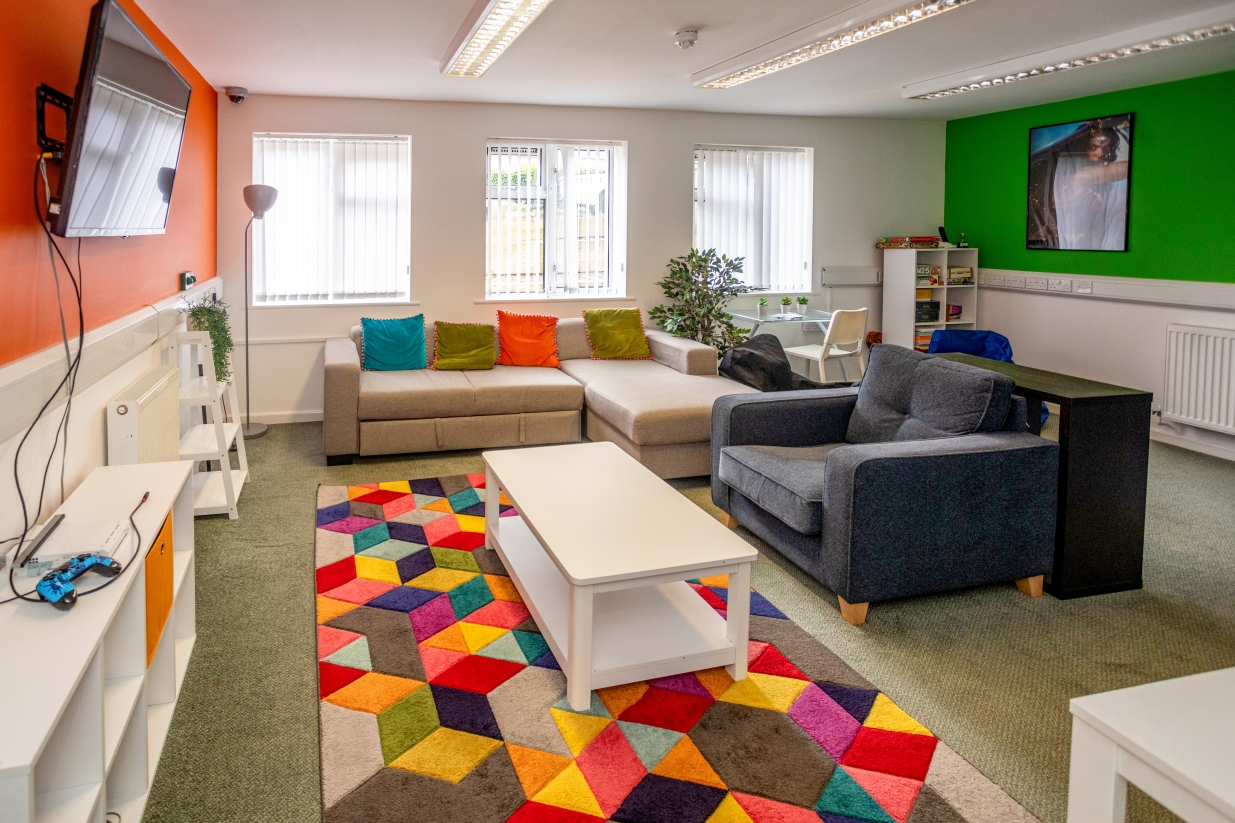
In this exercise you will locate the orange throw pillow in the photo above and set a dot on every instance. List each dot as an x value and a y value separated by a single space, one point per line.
527 340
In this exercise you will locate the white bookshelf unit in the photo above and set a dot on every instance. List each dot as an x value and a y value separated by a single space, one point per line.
87 695
900 289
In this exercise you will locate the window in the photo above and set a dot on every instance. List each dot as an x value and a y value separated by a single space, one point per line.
556 219
341 228
756 203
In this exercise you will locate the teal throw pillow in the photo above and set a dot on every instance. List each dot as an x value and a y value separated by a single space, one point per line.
393 345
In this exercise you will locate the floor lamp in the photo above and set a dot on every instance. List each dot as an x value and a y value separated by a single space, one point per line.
259 199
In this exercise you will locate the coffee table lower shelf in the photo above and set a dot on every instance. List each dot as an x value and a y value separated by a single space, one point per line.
640 629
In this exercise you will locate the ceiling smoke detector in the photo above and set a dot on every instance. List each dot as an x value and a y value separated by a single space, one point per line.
686 38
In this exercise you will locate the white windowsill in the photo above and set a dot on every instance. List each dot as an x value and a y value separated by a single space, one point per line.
333 303
547 299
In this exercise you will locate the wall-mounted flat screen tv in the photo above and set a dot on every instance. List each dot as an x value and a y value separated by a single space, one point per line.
124 133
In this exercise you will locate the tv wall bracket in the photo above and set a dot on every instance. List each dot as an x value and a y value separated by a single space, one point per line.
44 95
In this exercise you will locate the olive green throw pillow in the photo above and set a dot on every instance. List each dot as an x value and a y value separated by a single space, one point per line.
616 334
464 346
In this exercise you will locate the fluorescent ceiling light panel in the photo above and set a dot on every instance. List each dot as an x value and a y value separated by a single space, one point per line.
832 38
1178 31
490 28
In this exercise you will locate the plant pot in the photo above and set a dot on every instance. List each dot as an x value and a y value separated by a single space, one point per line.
761 312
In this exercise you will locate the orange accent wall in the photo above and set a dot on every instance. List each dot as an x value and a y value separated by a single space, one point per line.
41 41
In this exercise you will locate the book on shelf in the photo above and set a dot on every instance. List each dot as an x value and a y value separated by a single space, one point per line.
930 280
922 340
926 270
954 312
923 294
960 275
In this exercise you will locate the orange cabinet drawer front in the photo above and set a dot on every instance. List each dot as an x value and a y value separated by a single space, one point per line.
158 587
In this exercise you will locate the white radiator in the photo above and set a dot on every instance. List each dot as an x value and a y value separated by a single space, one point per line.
1200 377
143 421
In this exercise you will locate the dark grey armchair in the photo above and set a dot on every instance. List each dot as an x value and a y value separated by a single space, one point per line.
924 479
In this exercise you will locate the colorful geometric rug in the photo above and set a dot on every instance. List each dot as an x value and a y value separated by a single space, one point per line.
441 702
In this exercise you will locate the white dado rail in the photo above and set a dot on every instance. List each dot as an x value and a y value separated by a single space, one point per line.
1192 294
26 383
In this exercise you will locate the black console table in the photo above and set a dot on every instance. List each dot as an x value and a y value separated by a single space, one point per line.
1103 470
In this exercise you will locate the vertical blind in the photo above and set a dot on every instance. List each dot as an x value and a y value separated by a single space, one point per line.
341 227
756 203
550 221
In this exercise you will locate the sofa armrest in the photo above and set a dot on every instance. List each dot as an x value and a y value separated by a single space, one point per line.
681 354
944 514
340 426
794 418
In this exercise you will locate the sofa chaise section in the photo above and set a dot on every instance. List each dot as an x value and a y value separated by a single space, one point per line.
658 411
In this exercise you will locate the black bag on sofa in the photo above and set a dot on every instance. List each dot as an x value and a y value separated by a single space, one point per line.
761 363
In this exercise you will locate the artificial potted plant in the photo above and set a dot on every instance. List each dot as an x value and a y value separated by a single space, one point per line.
763 307
210 315
803 305
700 285
786 303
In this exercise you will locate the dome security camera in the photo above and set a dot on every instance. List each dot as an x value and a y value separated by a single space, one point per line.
236 94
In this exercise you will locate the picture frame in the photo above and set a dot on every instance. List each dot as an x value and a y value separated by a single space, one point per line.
1079 184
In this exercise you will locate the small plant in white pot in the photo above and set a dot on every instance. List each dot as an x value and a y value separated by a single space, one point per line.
763 307
803 305
786 306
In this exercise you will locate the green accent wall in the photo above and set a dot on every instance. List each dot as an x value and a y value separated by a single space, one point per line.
1182 185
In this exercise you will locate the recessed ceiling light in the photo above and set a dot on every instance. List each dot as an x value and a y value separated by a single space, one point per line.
835 42
1157 44
491 27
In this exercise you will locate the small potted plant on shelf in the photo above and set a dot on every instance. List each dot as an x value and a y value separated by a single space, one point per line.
763 307
210 315
803 305
786 304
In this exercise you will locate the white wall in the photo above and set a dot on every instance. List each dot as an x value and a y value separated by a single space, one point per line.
116 354
1112 341
872 177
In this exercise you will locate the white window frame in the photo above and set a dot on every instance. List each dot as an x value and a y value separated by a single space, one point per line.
334 247
760 270
552 188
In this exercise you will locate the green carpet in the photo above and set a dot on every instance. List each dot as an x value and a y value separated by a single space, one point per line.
988 670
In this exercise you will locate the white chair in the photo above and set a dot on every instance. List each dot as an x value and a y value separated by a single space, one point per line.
843 340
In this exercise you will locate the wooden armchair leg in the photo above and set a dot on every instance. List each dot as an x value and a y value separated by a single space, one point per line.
728 520
1030 586
854 613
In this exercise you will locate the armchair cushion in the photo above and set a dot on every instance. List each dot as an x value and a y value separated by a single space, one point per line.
907 395
785 481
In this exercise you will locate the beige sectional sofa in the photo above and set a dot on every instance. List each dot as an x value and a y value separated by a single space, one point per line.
658 410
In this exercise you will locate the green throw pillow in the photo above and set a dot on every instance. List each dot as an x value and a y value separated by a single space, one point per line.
393 345
464 346
616 334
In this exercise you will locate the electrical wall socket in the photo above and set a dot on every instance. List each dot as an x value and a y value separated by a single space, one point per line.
992 279
1014 282
1035 283
1060 285
1083 287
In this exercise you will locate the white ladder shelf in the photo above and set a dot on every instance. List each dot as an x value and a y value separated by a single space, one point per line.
214 492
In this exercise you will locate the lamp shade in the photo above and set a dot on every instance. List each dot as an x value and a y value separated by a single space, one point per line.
259 199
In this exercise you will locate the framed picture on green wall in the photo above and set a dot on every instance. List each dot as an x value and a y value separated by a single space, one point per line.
1079 175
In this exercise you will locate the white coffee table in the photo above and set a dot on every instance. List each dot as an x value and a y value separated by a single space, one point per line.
1174 740
600 552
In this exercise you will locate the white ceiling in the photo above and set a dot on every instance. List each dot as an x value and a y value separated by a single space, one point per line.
594 53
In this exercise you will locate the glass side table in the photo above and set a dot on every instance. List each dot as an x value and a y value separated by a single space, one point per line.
819 319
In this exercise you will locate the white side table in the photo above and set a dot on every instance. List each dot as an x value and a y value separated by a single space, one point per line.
1174 740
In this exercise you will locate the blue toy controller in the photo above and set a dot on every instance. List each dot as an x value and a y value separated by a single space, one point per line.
57 588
